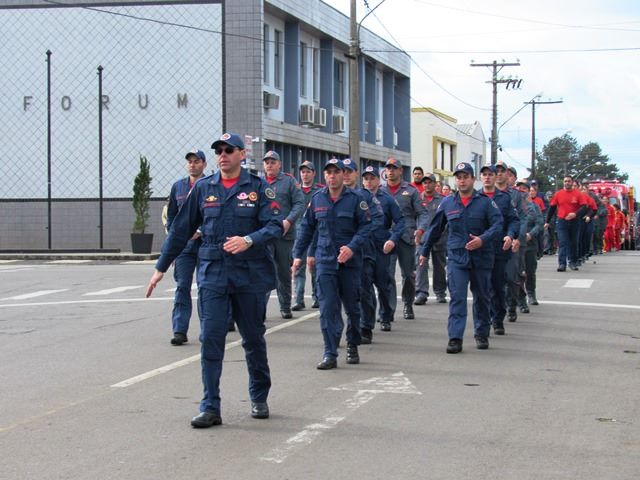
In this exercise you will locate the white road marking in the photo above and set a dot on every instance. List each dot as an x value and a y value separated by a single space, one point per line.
69 262
109 291
365 391
78 302
196 358
39 293
139 262
7 261
194 286
578 283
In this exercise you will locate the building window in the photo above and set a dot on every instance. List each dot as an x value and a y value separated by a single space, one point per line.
303 69
277 59
265 54
339 84
316 74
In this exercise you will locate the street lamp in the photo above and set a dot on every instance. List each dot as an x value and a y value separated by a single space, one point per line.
577 175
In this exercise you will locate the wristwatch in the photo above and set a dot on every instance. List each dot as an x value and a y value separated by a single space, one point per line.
248 240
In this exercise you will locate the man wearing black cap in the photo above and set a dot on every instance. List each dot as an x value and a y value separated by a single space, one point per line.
415 221
339 223
238 218
475 223
431 200
291 202
308 187
186 262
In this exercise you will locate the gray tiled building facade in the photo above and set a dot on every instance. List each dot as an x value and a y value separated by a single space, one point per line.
274 72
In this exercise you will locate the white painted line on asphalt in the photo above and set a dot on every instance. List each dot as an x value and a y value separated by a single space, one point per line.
589 304
39 293
69 262
78 302
194 286
109 291
196 358
578 283
365 391
7 261
139 262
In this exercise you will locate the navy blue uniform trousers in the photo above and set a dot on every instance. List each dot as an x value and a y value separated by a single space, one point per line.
215 309
183 268
480 281
336 287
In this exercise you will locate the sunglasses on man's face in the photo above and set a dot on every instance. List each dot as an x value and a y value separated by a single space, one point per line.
227 150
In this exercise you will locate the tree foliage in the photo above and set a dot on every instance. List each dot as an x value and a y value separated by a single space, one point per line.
141 196
564 156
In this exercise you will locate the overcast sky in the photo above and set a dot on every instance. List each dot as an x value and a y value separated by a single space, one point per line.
585 53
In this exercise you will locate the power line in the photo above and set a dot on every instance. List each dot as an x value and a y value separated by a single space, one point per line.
512 52
425 72
529 20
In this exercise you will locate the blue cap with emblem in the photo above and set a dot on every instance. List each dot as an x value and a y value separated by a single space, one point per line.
271 155
349 164
492 168
464 167
334 162
307 164
393 163
197 153
371 170
232 139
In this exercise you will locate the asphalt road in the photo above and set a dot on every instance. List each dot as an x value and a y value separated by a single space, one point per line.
91 387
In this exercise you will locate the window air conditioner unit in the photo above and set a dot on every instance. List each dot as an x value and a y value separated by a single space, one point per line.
320 117
306 114
378 134
270 100
338 123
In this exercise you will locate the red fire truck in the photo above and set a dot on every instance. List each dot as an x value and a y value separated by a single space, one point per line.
624 196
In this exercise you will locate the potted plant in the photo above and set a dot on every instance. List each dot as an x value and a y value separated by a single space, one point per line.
141 242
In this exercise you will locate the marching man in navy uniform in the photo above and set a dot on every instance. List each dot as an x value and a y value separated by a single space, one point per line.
475 223
238 219
290 201
187 261
342 221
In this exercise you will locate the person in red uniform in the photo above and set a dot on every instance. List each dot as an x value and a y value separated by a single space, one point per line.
609 233
418 175
618 227
571 206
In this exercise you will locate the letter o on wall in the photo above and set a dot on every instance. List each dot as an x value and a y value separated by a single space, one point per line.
66 103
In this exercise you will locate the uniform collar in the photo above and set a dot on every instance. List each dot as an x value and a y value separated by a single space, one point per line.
216 178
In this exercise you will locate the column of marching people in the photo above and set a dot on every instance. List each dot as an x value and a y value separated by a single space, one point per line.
259 234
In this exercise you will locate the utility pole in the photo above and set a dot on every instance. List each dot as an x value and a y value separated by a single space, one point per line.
496 67
533 102
354 91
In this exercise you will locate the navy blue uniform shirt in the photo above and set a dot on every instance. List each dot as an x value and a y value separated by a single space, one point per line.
347 221
481 217
247 208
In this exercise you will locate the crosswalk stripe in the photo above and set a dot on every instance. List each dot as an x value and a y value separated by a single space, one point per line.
578 283
39 293
109 291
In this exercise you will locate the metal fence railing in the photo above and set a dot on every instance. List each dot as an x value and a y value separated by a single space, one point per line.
90 89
